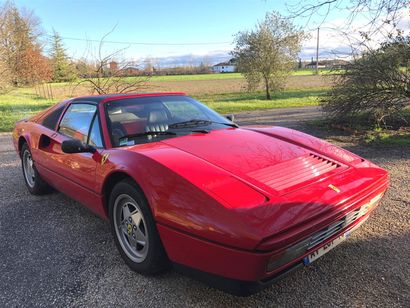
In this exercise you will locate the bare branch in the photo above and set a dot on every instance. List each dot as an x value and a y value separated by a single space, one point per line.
112 79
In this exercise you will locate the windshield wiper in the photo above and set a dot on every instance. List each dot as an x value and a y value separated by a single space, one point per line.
190 123
228 124
198 122
149 133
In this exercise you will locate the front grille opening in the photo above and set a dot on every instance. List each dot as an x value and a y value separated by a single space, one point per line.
331 230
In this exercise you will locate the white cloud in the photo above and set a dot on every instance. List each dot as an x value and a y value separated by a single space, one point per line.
337 38
336 41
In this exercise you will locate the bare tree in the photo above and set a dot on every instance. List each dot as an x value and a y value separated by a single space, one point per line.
360 22
5 74
377 84
106 78
268 53
377 13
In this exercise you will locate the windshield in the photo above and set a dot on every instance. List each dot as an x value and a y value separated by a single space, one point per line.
147 119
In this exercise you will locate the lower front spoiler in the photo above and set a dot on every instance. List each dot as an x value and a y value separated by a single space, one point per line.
233 286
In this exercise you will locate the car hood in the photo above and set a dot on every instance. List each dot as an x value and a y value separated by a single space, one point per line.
237 150
272 164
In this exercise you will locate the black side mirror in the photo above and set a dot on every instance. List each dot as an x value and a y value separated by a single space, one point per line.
230 117
76 146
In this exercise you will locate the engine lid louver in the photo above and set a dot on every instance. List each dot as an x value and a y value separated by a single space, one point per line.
293 172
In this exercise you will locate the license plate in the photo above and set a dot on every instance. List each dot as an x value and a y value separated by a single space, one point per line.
326 248
329 246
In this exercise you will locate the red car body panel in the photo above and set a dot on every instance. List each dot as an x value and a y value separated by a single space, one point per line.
225 202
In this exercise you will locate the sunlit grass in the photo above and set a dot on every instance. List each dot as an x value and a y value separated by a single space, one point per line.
236 102
23 102
19 104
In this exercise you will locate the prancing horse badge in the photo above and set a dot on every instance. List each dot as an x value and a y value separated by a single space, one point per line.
104 158
334 188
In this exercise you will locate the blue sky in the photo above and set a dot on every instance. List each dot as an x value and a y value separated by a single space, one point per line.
163 22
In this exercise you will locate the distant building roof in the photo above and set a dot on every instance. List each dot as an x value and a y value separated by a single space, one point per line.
314 63
224 64
131 67
231 62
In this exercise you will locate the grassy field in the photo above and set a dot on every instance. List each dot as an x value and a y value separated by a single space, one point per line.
222 76
237 102
19 104
222 92
23 102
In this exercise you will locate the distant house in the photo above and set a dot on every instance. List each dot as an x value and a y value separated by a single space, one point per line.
333 64
313 65
124 69
225 67
131 71
113 66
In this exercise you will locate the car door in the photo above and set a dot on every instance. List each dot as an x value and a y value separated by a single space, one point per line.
74 174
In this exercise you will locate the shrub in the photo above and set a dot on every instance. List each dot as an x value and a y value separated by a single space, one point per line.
377 83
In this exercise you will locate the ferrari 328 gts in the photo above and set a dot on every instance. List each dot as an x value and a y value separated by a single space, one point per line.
182 185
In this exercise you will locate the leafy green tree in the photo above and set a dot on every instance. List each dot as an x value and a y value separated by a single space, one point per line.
268 53
63 69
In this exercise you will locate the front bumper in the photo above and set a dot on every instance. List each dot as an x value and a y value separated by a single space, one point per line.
221 265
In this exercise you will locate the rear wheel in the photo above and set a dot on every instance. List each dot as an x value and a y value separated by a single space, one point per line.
134 229
35 184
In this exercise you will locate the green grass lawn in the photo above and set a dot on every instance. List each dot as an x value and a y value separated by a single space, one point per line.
244 101
19 104
23 102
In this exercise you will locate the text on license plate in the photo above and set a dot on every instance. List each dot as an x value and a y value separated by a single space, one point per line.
324 249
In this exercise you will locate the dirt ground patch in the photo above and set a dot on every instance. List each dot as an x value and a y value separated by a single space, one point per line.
235 85
196 87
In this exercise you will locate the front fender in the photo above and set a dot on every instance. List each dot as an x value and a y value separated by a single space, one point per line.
178 200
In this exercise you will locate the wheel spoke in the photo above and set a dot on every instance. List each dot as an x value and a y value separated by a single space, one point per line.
141 237
142 243
132 242
136 217
125 212
124 228
30 171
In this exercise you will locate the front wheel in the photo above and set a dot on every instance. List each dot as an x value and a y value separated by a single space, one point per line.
134 229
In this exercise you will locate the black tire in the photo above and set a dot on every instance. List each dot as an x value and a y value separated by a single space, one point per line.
154 258
36 186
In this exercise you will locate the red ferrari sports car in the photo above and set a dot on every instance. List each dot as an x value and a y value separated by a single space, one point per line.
182 185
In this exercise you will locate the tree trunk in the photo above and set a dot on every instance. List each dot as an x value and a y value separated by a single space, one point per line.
268 97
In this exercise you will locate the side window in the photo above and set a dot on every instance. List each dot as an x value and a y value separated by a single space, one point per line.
50 121
77 120
95 134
